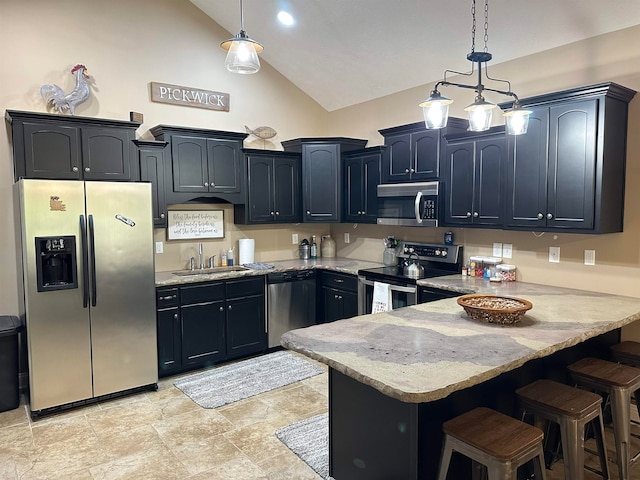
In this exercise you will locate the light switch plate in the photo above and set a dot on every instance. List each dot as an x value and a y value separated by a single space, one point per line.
497 249
346 237
159 247
554 254
294 238
589 257
507 250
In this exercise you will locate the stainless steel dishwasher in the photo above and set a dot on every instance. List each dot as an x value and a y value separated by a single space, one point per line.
291 302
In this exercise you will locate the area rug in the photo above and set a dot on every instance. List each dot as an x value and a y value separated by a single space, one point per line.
230 383
309 440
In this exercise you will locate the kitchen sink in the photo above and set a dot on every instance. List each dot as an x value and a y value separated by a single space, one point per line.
205 271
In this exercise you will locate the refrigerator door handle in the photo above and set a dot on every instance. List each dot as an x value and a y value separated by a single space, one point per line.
92 257
85 262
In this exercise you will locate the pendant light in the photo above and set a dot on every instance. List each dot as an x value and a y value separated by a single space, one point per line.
480 112
242 51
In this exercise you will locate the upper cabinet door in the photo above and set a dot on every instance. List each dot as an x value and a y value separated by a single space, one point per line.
286 190
370 182
459 183
260 197
572 165
106 153
526 177
396 160
488 195
224 166
189 164
51 151
426 154
353 205
322 182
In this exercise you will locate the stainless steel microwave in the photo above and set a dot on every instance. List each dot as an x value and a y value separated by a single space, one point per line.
408 204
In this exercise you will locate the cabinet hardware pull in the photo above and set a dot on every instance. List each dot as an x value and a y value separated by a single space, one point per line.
412 170
308 212
540 216
468 214
229 307
339 280
168 297
222 309
277 213
475 214
175 316
75 169
271 213
87 169
406 170
206 184
162 215
549 216
364 213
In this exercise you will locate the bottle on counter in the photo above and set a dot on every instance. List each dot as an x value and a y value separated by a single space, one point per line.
313 251
223 259
230 257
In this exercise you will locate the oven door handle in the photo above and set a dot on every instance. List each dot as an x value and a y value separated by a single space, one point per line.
417 207
395 288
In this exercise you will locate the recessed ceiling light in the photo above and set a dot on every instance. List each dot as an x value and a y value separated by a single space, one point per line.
285 18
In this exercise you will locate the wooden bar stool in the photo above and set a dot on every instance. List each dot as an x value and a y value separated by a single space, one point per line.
497 441
572 409
619 382
626 352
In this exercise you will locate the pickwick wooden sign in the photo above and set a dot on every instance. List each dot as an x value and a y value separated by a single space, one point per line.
189 96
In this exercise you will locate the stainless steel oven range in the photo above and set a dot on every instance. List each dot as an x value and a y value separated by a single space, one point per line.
437 260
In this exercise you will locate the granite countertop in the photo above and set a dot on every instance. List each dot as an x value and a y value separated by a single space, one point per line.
344 265
425 352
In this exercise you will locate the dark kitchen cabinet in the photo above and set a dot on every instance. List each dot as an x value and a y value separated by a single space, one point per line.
246 325
206 323
361 179
473 179
202 318
151 158
203 164
322 175
567 172
339 294
273 188
413 153
168 333
72 148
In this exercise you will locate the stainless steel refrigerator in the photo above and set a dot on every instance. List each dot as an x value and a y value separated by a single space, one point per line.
88 296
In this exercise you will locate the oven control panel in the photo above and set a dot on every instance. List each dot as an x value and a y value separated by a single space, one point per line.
432 252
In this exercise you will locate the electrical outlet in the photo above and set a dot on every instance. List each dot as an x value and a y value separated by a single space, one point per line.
554 254
507 250
294 238
159 247
589 257
346 237
497 250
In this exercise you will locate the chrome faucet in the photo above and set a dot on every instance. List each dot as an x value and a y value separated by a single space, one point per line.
211 261
201 255
192 264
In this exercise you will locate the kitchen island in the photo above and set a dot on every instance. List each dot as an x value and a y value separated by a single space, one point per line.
395 377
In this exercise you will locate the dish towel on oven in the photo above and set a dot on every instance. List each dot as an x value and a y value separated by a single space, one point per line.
381 297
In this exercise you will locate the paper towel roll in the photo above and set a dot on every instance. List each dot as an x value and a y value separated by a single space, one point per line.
246 250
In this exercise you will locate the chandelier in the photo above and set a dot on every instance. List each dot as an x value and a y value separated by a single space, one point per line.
436 107
242 51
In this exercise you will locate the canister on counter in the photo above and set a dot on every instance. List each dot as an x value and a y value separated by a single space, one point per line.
490 264
477 266
507 272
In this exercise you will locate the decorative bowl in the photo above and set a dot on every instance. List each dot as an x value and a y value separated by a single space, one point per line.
494 308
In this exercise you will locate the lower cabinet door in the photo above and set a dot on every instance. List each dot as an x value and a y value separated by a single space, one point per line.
338 304
245 326
203 333
169 342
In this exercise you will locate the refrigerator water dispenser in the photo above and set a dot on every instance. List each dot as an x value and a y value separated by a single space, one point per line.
56 263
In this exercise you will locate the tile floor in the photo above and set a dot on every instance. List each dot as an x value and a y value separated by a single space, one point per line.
164 435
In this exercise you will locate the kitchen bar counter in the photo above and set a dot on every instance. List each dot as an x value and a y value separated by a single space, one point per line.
424 352
395 377
344 265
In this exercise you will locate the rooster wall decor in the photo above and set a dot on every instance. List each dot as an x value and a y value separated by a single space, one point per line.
55 97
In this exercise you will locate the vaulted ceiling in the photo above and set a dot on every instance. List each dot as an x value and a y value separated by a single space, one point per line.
344 52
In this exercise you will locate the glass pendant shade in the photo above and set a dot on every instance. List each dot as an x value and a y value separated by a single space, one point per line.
436 110
480 113
242 56
517 120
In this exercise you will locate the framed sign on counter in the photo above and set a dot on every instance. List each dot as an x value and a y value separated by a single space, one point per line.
194 224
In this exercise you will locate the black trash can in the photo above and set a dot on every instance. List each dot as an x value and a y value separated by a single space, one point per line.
9 394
